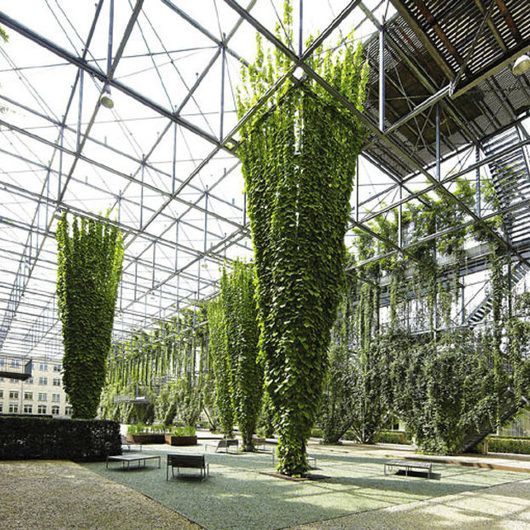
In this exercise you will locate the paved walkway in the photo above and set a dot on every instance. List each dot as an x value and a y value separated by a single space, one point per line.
491 461
52 495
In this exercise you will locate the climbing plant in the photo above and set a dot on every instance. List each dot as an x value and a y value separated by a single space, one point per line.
299 159
90 257
169 365
218 346
242 333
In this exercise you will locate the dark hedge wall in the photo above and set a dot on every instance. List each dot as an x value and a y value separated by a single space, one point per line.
43 438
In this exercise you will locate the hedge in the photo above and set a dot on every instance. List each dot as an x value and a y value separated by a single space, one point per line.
392 437
516 445
64 439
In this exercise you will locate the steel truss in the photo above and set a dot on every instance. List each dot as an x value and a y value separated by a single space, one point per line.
178 196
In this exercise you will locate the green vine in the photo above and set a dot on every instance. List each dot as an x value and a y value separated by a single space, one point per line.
240 315
299 158
89 268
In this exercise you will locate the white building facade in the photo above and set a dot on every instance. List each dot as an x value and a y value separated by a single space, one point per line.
41 394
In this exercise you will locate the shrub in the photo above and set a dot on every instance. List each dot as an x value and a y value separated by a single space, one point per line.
517 445
392 437
316 432
142 428
137 428
182 431
44 438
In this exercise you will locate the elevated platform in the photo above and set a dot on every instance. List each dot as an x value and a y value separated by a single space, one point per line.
22 375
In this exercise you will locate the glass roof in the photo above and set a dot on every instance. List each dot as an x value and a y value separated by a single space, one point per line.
160 162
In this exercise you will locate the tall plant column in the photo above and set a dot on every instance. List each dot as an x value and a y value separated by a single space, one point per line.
218 347
90 260
299 159
237 295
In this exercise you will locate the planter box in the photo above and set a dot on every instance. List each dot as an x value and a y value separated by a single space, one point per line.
181 440
146 438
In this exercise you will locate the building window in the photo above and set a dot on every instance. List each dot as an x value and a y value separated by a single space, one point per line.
68 411
56 398
43 367
56 381
2 363
13 408
28 409
13 394
43 396
15 363
29 381
56 367
43 381
1 379
1 407
1 394
55 410
41 409
28 395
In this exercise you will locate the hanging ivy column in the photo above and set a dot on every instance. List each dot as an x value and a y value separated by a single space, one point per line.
237 295
299 161
89 268
218 347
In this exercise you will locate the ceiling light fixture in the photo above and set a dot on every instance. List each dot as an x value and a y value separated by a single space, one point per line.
106 98
521 65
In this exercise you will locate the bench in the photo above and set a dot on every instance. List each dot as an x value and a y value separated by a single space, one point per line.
226 443
186 461
131 458
125 443
259 443
407 465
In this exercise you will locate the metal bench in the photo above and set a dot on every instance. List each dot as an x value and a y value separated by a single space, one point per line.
259 443
226 443
186 461
131 458
125 443
408 465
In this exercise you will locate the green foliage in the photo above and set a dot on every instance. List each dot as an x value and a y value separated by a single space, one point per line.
444 390
242 334
392 437
218 346
169 366
337 410
299 160
498 444
89 269
187 402
166 403
142 428
182 431
34 437
265 426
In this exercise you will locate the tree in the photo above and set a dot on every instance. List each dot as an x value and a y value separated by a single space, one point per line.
89 269
299 158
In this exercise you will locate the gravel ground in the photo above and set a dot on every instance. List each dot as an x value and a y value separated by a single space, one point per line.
53 495
237 495
506 506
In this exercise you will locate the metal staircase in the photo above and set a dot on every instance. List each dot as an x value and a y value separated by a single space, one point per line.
519 271
511 181
510 409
